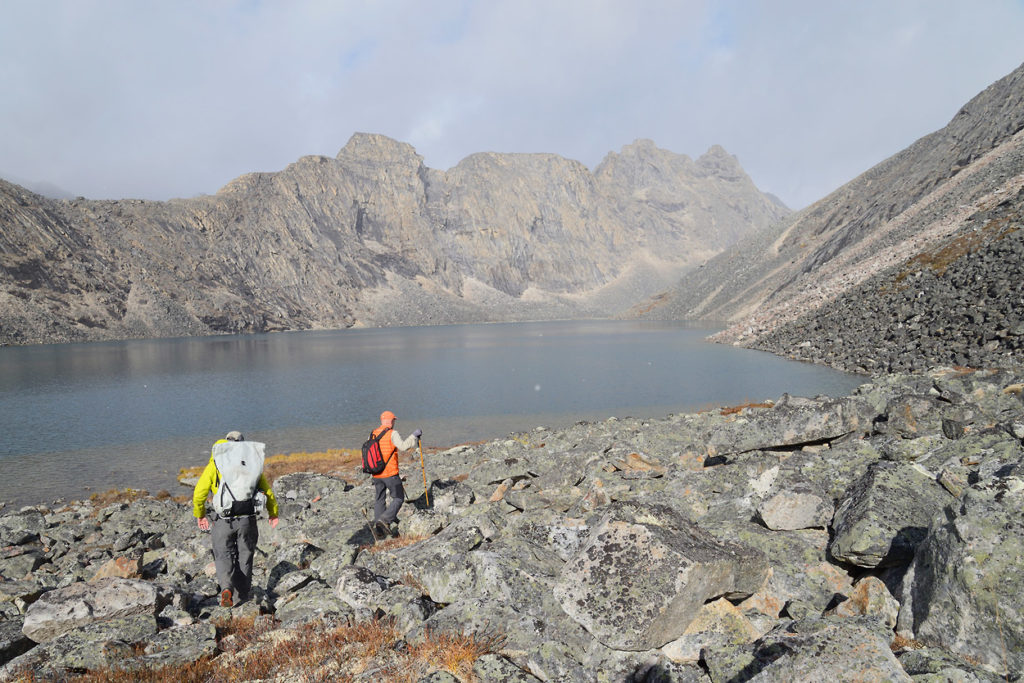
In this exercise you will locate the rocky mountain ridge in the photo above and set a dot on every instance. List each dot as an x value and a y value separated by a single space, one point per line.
888 272
372 237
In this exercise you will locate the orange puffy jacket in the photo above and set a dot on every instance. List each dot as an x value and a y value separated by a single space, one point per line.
389 452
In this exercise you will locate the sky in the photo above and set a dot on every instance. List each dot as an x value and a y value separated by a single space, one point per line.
112 99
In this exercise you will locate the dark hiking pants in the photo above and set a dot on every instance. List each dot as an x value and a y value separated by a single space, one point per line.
234 543
392 485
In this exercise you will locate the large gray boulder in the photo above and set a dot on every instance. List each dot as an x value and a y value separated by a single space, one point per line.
909 416
645 573
838 650
790 422
800 570
550 649
830 469
20 561
21 527
968 590
885 515
931 665
444 566
97 644
21 593
718 623
68 608
556 533
12 641
801 506
314 601
358 587
179 646
869 597
319 510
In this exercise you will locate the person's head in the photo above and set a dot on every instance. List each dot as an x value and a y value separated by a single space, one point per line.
387 419
234 436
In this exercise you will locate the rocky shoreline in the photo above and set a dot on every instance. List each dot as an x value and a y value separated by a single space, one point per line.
876 536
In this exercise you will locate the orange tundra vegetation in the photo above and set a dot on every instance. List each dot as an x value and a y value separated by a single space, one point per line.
254 649
344 463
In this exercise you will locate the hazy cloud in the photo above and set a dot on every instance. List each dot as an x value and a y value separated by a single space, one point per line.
112 99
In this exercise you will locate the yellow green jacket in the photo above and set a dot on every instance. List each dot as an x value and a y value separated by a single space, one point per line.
208 482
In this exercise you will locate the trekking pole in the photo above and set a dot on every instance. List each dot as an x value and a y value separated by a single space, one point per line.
424 468
372 531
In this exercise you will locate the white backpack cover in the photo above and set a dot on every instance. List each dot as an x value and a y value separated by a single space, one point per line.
240 464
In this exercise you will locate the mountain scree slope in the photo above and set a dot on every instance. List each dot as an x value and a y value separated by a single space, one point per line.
918 262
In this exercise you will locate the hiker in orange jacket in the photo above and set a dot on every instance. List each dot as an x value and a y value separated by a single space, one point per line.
385 516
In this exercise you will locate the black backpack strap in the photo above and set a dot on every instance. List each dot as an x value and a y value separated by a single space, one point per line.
227 488
381 436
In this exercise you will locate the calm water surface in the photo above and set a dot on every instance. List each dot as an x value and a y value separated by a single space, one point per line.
85 417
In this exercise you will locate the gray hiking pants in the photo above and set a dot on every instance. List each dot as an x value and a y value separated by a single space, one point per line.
392 485
234 543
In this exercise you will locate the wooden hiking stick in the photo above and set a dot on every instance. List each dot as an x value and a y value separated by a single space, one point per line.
370 524
424 468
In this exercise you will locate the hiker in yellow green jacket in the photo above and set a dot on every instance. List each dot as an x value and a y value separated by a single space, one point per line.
233 475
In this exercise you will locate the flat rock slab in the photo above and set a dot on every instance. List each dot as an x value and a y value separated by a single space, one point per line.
61 610
646 572
791 422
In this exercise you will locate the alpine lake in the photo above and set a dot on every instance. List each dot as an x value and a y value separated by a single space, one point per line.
82 418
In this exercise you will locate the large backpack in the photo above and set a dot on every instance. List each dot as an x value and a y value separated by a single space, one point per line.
373 458
239 465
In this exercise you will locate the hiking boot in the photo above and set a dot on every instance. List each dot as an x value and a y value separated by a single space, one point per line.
382 530
393 530
225 598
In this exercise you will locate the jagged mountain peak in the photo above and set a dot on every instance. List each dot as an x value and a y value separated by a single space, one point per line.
379 148
524 162
718 162
644 150
643 164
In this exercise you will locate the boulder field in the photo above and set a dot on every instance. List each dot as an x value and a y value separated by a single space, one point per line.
876 536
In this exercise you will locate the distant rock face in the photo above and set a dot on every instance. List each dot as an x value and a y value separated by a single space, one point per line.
372 237
915 263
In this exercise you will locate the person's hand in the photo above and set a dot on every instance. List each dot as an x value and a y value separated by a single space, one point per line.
418 433
203 523
273 522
